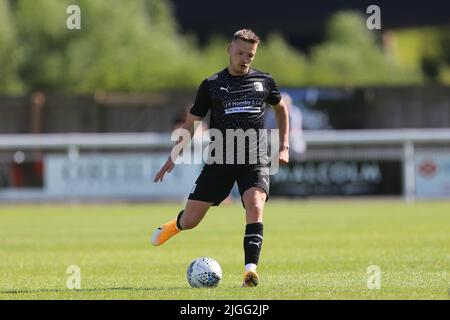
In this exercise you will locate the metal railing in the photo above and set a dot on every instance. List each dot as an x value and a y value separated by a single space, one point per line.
406 139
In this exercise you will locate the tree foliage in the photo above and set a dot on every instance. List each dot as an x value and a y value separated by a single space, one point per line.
351 56
10 54
135 45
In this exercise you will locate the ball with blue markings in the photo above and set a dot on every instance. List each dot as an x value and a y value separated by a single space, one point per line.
204 272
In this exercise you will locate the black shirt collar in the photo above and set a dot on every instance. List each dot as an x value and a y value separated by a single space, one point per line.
227 72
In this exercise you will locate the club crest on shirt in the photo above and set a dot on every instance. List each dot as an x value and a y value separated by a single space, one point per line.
258 86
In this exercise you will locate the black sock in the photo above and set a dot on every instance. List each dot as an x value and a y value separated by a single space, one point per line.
253 242
178 220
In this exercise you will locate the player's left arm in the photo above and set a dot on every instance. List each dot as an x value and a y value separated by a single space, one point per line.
282 118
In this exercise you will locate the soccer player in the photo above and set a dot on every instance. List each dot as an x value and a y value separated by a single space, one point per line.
236 98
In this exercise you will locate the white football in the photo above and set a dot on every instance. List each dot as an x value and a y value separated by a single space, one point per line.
204 272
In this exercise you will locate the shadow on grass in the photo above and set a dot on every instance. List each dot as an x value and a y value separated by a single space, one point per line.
90 290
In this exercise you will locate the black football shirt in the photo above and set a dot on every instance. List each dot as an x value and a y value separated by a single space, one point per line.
237 102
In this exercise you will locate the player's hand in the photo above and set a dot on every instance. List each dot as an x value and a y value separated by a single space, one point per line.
167 167
283 157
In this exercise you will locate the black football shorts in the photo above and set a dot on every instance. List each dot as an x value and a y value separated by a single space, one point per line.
216 181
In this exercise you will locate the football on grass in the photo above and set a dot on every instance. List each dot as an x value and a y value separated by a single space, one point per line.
204 272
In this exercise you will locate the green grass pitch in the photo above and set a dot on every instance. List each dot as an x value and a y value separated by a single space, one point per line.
312 250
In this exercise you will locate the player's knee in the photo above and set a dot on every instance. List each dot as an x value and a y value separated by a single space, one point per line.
254 207
258 206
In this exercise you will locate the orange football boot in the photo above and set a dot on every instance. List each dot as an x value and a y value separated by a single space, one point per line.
165 232
251 279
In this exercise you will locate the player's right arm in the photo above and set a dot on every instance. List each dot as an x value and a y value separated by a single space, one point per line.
197 113
179 145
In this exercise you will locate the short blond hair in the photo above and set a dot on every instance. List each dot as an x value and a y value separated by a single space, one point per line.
246 35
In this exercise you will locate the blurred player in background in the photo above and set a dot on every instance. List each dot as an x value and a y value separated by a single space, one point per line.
296 138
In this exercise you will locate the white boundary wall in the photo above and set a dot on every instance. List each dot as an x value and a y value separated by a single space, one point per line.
406 139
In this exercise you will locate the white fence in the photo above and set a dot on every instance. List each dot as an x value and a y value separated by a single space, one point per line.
405 140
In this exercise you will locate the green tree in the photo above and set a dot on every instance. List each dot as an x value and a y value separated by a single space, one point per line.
122 46
351 56
212 57
43 38
129 46
426 49
10 54
135 45
286 64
